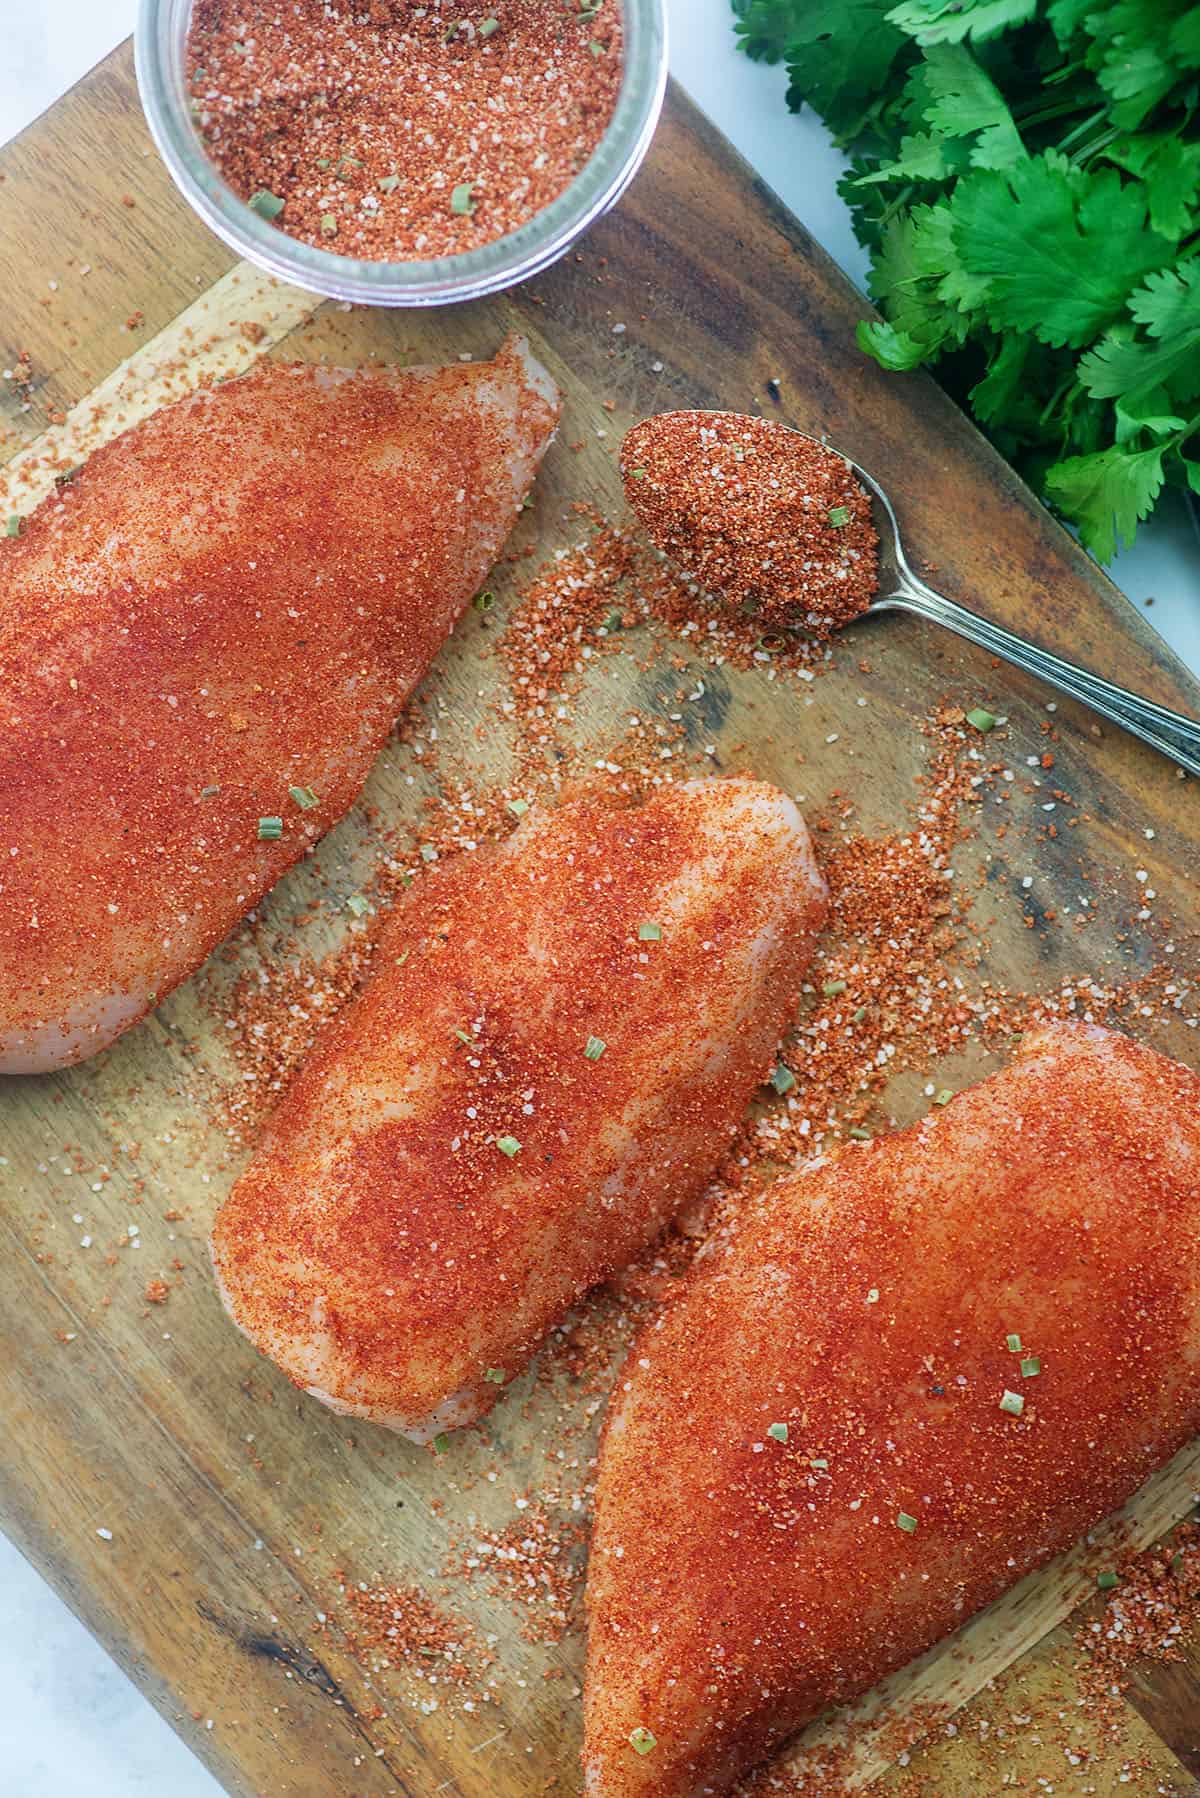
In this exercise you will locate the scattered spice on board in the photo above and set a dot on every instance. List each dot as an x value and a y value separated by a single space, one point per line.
1151 1611
270 1021
400 1627
534 1562
762 517
1053 1722
398 133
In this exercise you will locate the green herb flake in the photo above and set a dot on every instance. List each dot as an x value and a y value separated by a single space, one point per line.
487 26
518 807
859 1134
388 183
831 988
496 1375
357 905
859 1015
1106 1581
13 527
595 1047
428 852
329 225
982 720
483 602
269 829
613 622
1012 1403
266 204
1031 1366
782 1078
943 1097
637 474
838 516
596 47
441 1443
820 1464
304 797
649 933
778 1432
463 1037
642 1740
1013 1344
508 1145
460 200
907 1523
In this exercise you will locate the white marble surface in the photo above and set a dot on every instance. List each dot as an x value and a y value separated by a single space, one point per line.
70 1722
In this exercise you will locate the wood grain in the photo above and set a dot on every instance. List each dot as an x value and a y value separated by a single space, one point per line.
237 1509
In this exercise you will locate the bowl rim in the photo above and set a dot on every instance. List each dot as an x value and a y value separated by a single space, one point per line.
159 40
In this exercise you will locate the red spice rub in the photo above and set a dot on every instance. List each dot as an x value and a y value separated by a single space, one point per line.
739 1583
454 1167
402 1627
533 1562
761 516
393 132
215 623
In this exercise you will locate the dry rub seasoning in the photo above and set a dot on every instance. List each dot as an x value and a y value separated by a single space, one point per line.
394 132
761 516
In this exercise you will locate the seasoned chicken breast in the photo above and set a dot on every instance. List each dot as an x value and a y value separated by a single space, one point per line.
216 623
558 1044
921 1369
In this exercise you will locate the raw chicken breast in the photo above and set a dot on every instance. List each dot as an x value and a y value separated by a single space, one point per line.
738 1583
558 1044
230 600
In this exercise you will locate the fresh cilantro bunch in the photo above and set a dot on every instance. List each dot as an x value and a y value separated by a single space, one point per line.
1026 174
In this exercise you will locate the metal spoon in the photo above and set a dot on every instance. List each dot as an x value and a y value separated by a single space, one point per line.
900 590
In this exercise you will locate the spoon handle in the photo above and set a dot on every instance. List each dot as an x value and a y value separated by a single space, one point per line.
1170 732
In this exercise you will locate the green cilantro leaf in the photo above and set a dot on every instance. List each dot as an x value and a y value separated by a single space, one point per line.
924 156
1184 40
1146 411
1171 172
1060 248
1131 59
891 348
912 260
992 397
841 51
1168 302
950 21
1168 305
1066 18
965 102
1106 494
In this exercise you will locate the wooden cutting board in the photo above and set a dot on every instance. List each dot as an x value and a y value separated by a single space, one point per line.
238 1509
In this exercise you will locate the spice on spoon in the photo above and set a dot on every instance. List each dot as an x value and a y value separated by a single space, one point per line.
763 518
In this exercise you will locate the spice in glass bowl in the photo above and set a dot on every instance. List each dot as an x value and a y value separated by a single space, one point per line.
395 132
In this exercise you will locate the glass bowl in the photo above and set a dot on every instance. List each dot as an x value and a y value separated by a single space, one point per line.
159 46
